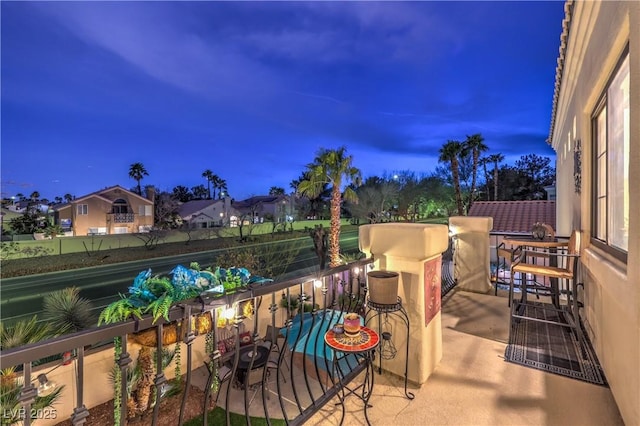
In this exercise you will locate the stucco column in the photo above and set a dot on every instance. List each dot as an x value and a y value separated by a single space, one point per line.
471 254
414 251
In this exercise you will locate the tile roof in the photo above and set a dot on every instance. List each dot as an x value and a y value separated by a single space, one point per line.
194 206
516 216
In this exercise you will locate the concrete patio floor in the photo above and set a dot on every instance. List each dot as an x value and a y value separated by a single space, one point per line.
473 385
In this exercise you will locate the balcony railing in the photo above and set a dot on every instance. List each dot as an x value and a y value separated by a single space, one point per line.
303 368
123 217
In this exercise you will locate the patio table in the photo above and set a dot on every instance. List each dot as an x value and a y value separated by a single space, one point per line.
363 346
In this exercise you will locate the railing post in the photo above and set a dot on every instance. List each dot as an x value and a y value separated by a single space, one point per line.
27 394
80 413
123 363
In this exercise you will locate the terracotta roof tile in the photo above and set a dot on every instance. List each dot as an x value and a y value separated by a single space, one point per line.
516 216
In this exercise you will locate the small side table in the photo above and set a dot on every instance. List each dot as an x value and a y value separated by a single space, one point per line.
363 347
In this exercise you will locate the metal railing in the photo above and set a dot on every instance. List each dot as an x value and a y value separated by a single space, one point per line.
123 217
296 382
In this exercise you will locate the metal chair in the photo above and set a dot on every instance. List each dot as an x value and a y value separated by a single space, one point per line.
224 375
277 354
564 269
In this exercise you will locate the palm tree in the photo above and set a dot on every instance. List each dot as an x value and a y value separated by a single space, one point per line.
35 195
276 190
333 167
222 188
483 162
495 158
449 153
137 172
68 198
208 175
474 145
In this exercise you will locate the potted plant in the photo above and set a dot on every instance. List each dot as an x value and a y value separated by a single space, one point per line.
157 294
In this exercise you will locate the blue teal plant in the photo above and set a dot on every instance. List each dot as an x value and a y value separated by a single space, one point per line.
157 294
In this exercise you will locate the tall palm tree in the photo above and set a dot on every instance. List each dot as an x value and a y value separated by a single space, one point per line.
222 187
474 145
495 158
483 162
335 167
137 172
35 196
449 153
68 198
208 175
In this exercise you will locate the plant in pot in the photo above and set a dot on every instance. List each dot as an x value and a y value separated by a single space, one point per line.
157 294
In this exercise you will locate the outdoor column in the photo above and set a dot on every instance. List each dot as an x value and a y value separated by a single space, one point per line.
471 255
415 252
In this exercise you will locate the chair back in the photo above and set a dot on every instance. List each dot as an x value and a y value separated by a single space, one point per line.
272 334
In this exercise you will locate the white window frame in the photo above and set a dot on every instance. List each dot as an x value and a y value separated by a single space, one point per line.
610 189
82 209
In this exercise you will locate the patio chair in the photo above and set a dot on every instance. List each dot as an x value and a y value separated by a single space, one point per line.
271 341
224 375
564 266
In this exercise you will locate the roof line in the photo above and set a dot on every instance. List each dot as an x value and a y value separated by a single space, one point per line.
564 38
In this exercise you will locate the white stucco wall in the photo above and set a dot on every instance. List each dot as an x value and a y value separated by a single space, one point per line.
598 35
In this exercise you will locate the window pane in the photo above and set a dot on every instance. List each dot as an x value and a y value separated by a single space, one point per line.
602 132
602 215
618 153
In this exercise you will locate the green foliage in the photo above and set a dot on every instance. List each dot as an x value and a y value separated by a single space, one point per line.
10 389
12 250
120 310
23 332
67 312
218 416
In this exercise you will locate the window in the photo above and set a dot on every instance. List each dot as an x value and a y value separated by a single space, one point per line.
119 206
610 223
83 209
144 210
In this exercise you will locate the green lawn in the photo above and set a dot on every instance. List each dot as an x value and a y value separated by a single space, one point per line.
218 416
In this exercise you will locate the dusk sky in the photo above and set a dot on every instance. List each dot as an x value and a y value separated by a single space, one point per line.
251 90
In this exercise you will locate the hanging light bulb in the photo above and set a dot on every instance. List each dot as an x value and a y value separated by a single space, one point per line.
46 387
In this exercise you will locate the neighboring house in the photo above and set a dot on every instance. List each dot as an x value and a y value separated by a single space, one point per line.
266 208
207 213
113 210
516 216
595 132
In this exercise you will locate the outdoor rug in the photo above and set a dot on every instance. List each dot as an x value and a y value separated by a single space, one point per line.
553 348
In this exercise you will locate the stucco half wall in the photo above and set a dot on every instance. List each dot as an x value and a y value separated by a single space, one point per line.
406 248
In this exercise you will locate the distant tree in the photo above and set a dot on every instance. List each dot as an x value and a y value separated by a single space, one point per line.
68 198
35 196
483 162
538 173
20 196
474 145
182 194
375 199
208 175
276 190
58 199
495 158
199 192
450 152
137 172
222 188
334 167
166 211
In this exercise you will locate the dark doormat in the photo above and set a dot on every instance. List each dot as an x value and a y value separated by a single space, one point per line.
553 348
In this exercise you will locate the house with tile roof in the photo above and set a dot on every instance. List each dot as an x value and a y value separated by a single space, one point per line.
516 216
113 210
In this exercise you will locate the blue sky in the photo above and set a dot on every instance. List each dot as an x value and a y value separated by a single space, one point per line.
251 90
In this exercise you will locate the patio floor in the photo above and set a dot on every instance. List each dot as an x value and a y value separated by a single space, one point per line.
473 385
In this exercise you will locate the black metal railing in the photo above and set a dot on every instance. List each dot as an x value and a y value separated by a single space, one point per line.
123 217
297 379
